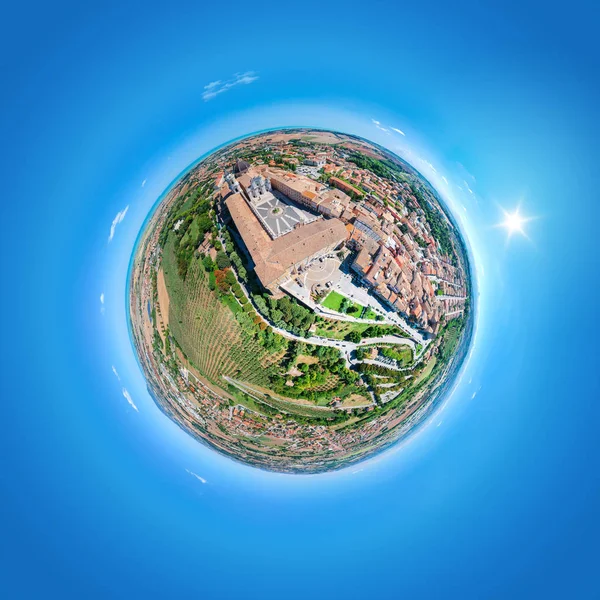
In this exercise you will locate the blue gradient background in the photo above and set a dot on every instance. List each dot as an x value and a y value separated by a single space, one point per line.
497 497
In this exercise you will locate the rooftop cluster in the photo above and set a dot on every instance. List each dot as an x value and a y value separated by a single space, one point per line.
303 194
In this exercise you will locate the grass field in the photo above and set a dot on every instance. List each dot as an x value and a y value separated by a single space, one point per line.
270 398
426 371
355 400
368 313
206 329
338 330
334 300
401 354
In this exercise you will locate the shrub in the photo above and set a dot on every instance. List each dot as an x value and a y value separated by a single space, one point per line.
212 282
354 337
222 260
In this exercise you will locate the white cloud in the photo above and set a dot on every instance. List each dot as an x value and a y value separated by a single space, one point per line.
426 162
397 130
444 180
124 391
102 303
201 479
214 88
118 219
380 126
144 182
127 396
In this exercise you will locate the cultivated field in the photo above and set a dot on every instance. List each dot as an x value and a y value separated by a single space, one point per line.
163 306
207 331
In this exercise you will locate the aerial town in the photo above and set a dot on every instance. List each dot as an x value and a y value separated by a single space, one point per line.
300 300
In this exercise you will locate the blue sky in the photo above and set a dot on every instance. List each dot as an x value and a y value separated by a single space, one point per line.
101 109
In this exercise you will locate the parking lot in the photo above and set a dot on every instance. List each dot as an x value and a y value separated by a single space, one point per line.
358 293
308 170
325 274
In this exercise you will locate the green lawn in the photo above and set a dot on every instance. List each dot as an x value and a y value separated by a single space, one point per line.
334 300
338 330
426 372
401 354
357 312
277 402
369 313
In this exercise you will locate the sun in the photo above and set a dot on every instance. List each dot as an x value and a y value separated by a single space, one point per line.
514 222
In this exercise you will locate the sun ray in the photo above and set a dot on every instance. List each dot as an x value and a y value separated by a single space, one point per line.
514 222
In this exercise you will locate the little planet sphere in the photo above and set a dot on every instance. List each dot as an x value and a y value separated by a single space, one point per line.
300 300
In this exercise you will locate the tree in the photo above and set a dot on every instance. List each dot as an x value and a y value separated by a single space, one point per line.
230 277
345 305
354 337
362 353
204 224
221 281
222 260
260 304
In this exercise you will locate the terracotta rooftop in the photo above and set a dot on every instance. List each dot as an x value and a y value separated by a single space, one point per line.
272 258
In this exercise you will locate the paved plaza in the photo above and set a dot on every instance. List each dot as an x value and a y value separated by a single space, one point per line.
280 217
322 272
